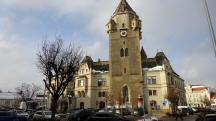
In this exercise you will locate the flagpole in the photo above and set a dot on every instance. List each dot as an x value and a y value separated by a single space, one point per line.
210 26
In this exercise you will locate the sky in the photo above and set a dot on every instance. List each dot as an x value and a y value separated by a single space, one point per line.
177 27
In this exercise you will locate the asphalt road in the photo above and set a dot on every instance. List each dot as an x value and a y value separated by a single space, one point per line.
187 118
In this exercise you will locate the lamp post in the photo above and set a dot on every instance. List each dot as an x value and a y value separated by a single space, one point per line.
69 96
210 25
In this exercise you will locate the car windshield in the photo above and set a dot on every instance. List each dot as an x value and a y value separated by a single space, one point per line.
20 111
48 113
2 114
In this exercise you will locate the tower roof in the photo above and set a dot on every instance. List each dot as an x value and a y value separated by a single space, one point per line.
143 53
124 7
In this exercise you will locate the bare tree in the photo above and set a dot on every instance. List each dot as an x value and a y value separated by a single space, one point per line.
58 65
173 98
206 101
27 92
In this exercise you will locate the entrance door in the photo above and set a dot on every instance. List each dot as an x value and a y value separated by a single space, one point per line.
125 95
102 105
82 105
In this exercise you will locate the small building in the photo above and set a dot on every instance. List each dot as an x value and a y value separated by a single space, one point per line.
92 84
9 100
213 99
197 95
163 87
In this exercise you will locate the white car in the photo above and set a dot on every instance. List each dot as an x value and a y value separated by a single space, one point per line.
44 115
22 113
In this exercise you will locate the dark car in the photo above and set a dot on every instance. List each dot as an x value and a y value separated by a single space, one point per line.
210 117
185 111
22 115
107 116
207 117
199 109
8 116
209 111
81 115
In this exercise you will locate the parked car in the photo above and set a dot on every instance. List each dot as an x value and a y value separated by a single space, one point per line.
8 116
107 116
81 115
200 109
210 117
22 113
186 110
44 115
125 111
207 117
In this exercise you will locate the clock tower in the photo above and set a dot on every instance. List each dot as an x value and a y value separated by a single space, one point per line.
124 29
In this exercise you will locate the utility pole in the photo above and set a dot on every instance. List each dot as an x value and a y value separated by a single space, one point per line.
210 26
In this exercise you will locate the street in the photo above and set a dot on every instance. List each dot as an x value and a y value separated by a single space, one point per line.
188 118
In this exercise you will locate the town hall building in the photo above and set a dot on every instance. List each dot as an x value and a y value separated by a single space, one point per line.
129 79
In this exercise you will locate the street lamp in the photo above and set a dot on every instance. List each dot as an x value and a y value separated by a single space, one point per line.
69 96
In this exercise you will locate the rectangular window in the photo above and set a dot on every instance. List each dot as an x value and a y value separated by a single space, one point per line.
151 80
99 94
150 92
101 82
154 92
102 94
81 83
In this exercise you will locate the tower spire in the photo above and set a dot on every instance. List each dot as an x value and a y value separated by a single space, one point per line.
124 7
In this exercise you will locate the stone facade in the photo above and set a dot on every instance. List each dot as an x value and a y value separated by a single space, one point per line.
124 30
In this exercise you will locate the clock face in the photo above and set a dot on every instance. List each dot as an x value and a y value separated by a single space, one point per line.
123 33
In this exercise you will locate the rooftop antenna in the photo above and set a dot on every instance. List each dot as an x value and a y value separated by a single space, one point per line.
210 26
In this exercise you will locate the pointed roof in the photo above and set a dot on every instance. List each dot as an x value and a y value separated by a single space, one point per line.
88 60
124 7
143 54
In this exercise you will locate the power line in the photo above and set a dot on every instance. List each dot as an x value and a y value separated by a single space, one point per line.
210 26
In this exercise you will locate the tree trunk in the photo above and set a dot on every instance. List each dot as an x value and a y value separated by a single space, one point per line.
54 106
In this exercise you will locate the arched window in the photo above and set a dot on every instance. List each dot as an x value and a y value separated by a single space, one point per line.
125 70
122 52
79 94
126 52
83 94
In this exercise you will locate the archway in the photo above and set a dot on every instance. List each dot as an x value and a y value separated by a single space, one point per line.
153 104
125 95
82 105
102 105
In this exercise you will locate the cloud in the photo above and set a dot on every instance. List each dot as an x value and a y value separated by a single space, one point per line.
17 62
94 49
198 65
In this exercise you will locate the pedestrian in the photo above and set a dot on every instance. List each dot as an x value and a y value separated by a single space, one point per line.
178 114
